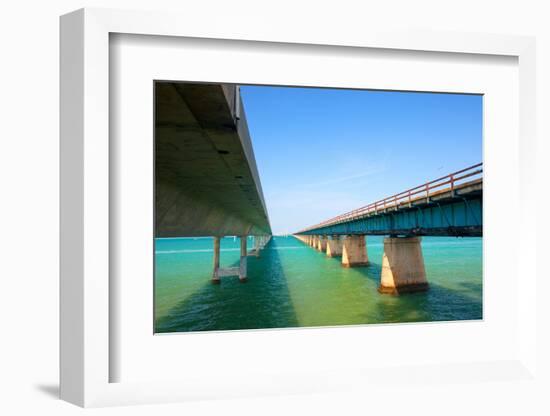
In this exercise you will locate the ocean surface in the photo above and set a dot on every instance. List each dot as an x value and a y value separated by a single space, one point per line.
293 285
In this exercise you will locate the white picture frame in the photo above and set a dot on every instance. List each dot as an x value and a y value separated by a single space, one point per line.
85 164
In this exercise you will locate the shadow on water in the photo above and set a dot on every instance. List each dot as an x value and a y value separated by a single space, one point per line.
439 303
472 286
371 272
262 302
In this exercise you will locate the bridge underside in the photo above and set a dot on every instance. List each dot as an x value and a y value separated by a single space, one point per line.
451 213
206 180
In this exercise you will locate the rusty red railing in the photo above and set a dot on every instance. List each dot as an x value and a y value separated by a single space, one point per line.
426 190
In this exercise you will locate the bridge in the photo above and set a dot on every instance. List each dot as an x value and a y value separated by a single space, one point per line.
451 205
206 179
207 184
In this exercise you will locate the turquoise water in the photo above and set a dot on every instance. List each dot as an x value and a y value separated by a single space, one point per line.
293 285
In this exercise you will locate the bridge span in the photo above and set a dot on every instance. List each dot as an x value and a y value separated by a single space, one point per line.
448 206
206 179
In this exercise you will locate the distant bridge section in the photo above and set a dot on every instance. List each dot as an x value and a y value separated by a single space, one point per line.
447 206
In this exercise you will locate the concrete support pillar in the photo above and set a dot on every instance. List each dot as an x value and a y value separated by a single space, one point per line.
334 246
215 275
243 262
322 243
257 245
402 266
243 246
354 251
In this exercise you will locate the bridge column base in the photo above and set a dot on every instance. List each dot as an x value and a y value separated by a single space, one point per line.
240 271
403 268
257 245
215 272
334 246
243 264
322 243
243 270
313 242
354 251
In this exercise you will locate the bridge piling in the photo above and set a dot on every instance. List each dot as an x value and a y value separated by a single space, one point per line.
257 244
215 273
243 261
334 246
322 243
260 243
240 270
354 251
403 268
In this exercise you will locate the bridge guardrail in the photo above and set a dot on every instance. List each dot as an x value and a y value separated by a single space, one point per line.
426 190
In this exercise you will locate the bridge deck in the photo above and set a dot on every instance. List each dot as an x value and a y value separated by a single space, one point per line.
206 180
451 205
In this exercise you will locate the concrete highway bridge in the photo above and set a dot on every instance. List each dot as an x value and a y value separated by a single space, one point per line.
206 179
447 206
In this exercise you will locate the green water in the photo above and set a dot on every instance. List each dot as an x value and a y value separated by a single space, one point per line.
292 285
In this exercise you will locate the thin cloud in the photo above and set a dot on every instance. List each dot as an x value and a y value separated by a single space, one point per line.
295 210
344 178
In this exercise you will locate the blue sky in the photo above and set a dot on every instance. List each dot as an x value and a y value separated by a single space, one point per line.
322 152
